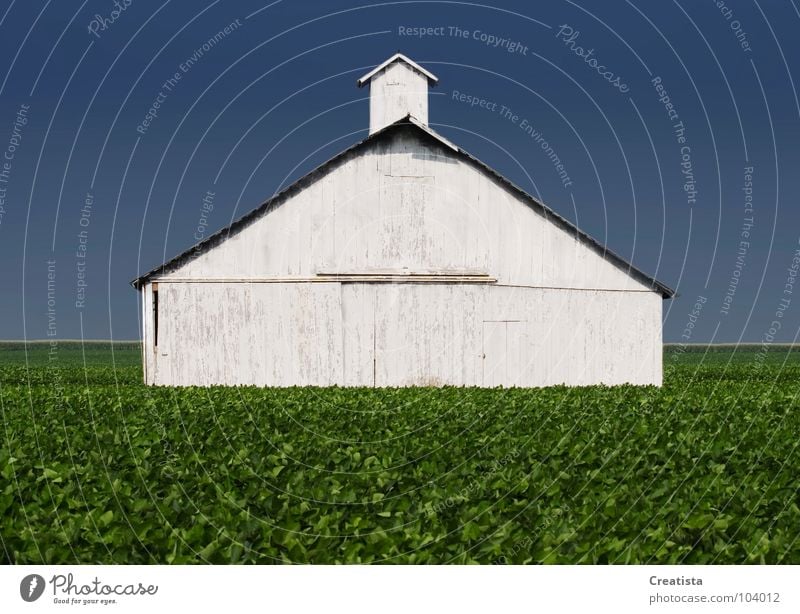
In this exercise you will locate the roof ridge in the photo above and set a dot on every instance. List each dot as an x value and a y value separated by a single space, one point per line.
395 58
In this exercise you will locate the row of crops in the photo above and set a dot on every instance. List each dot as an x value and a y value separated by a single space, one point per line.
97 468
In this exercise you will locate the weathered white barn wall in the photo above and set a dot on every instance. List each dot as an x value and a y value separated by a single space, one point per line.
253 310
354 334
409 202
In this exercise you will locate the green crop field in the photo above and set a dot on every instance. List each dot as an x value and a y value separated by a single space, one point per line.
97 468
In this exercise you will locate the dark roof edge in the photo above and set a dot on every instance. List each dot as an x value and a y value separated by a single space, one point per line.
219 236
214 239
605 252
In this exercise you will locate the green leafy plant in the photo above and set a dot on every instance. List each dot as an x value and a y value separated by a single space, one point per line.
97 468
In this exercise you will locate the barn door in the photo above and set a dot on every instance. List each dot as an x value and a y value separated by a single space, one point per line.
502 353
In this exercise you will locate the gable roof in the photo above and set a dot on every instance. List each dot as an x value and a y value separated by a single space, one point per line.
407 123
398 57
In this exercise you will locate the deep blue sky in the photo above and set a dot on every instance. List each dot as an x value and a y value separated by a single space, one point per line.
277 97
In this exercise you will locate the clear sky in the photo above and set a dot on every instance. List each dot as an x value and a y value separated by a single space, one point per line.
677 124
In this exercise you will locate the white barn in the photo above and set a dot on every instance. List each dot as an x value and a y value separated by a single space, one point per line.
402 261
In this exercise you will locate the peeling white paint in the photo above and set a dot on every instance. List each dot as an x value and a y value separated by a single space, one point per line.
365 334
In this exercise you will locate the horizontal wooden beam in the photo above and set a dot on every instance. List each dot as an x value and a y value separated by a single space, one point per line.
336 278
